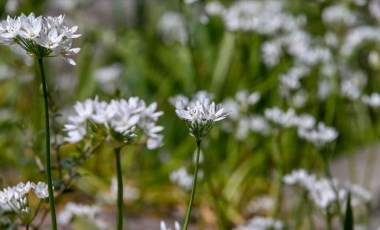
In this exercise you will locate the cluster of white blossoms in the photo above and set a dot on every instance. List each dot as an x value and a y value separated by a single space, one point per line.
372 100
262 223
163 226
17 197
40 36
324 192
120 118
182 178
320 135
199 115
91 212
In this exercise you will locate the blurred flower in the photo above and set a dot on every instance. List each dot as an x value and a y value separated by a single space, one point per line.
338 14
286 119
320 136
40 36
182 178
129 192
261 223
91 212
172 27
163 226
107 77
299 177
214 8
373 100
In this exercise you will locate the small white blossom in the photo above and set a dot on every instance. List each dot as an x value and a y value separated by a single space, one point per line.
319 136
373 100
182 178
91 212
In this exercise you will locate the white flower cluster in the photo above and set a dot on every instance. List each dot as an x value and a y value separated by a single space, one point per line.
177 226
199 115
262 223
373 100
129 192
319 136
40 36
324 192
181 178
17 196
173 28
241 121
289 118
120 116
338 14
91 212
263 17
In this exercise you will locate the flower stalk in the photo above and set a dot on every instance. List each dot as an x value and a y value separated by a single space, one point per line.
47 152
188 212
119 189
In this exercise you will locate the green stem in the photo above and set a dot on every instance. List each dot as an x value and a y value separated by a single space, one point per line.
194 186
119 190
47 157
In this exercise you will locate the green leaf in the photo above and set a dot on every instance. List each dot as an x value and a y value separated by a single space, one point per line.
349 216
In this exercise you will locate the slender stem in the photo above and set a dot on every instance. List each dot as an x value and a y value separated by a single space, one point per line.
194 186
119 190
47 133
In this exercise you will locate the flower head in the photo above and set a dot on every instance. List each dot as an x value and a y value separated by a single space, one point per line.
121 119
200 116
40 36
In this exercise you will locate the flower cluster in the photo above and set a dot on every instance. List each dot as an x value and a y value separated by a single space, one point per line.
164 227
319 136
200 115
182 178
119 118
91 212
17 198
325 192
40 36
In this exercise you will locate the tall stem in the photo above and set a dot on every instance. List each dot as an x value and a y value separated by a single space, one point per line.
47 156
194 186
119 190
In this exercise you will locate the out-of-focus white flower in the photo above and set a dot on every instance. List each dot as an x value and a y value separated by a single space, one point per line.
322 192
177 226
129 192
300 177
285 119
261 223
320 136
190 1
338 14
90 212
357 36
291 79
374 9
359 195
182 178
263 17
272 52
373 100
173 28
260 204
214 8
41 190
107 77
259 125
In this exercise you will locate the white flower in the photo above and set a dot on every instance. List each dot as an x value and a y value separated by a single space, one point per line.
31 26
200 116
91 212
319 136
40 36
300 177
373 100
41 190
173 28
286 119
181 178
322 192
